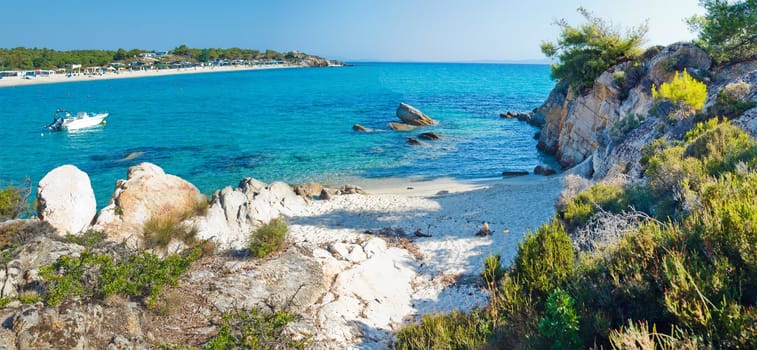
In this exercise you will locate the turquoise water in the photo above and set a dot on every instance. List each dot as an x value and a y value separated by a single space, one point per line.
288 124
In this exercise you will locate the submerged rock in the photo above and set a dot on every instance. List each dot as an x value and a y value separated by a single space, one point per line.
413 142
514 173
431 136
65 199
401 126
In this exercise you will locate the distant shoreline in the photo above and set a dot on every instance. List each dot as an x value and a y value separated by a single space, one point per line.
63 78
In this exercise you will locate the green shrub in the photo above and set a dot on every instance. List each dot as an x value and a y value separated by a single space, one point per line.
493 271
88 239
605 196
98 275
623 126
268 239
28 297
456 330
585 52
720 148
559 325
683 90
12 203
732 101
619 77
544 260
254 330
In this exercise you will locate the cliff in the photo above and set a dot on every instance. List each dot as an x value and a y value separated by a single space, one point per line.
609 124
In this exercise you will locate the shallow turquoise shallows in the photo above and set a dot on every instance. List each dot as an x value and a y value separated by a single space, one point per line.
285 124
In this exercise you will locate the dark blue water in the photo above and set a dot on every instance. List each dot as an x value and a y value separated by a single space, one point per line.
289 124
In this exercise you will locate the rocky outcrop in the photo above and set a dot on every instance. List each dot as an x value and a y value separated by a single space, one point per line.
401 126
24 264
544 169
65 199
359 128
412 116
309 190
147 192
430 136
234 212
575 122
535 119
293 281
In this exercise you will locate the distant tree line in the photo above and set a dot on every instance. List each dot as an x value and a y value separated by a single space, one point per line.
33 58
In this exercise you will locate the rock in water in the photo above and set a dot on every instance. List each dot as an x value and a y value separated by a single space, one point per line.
514 173
544 170
401 127
359 128
413 142
413 116
431 136
65 199
147 192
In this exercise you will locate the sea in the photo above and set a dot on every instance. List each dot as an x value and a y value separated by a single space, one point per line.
292 125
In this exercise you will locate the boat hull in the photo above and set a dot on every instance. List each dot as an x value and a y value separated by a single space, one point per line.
84 121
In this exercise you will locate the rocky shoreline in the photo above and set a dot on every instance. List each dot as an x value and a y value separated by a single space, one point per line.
356 268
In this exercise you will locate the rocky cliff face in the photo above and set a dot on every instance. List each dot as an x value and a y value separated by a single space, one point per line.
601 123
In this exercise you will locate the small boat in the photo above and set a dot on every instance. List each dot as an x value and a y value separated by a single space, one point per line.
65 120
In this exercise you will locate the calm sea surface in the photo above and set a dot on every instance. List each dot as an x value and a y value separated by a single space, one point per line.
289 124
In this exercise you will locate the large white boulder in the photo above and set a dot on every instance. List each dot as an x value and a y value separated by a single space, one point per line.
65 199
148 192
235 212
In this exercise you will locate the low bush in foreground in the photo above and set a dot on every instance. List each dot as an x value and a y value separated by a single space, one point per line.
14 201
456 330
268 239
100 275
254 329
683 281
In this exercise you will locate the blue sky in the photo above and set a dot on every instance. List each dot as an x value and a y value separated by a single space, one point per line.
382 30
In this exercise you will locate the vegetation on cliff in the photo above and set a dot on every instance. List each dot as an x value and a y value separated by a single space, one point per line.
728 30
584 52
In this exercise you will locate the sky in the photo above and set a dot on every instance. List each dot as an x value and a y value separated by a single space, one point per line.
376 30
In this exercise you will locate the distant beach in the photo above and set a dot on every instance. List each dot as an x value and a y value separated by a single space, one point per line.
65 78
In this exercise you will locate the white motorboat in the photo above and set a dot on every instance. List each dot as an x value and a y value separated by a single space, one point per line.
65 120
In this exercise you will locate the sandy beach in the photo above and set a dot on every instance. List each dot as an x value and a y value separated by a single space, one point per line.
62 78
443 273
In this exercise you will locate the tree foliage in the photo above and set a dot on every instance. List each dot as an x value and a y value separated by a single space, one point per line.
683 90
728 30
25 58
584 52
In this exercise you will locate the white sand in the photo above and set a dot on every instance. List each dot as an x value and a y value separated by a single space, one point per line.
62 78
445 279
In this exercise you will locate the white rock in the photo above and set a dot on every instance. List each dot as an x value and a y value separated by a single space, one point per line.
374 246
65 199
356 254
